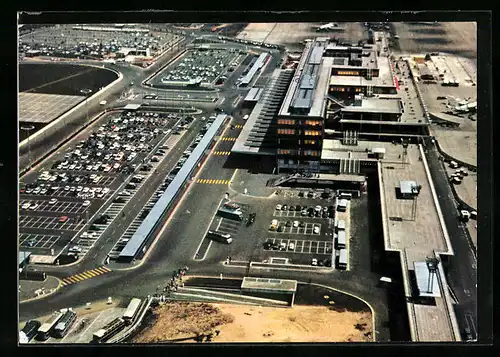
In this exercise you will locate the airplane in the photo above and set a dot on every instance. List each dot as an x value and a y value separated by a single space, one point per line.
467 108
331 26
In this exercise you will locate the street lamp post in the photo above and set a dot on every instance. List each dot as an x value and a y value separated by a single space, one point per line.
86 92
28 129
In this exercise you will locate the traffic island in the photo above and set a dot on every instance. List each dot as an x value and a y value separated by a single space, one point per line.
32 289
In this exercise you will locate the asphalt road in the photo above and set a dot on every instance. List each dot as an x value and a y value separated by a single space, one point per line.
462 270
181 237
176 247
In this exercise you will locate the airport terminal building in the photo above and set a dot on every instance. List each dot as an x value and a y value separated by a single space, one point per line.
337 92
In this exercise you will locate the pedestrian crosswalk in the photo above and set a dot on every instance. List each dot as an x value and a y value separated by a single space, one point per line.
222 153
224 138
213 182
89 274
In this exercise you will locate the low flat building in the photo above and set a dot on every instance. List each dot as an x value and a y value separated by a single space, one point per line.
417 233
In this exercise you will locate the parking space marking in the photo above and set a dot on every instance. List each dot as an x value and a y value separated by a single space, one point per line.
304 246
294 214
221 153
308 229
38 240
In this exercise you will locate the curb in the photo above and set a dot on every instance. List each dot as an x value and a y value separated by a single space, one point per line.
305 283
350 294
59 286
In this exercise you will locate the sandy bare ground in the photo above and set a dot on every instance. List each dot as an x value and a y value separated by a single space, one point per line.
241 323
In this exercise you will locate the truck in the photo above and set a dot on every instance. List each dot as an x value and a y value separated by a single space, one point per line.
464 215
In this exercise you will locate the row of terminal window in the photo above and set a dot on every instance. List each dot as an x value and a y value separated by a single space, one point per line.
298 152
297 122
295 132
342 89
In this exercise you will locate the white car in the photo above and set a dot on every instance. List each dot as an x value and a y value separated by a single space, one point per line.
26 206
66 188
295 224
52 201
85 189
316 230
84 235
124 193
34 206
100 195
79 188
76 249
105 190
278 207
317 209
314 262
291 246
86 203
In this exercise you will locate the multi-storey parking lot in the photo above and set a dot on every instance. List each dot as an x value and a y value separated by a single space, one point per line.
58 201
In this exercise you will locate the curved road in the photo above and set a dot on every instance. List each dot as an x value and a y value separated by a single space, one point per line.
172 250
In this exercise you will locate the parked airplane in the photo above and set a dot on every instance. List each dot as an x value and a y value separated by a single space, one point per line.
331 26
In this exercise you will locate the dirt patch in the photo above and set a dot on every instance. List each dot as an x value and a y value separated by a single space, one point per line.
242 323
179 320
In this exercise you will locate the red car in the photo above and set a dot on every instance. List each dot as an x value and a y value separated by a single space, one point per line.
63 219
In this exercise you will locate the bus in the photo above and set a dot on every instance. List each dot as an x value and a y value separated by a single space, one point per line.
29 331
219 237
46 329
132 310
230 213
342 259
341 240
108 331
65 323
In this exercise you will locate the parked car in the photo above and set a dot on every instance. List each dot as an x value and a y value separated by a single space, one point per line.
52 201
63 219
